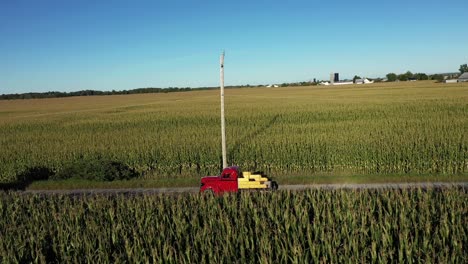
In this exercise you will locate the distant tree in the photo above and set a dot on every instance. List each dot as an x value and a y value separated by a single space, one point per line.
405 76
421 76
437 77
409 74
463 68
355 78
93 92
402 77
391 77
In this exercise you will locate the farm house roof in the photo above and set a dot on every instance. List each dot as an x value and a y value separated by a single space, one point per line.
463 76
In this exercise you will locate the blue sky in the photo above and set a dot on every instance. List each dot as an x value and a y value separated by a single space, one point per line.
104 45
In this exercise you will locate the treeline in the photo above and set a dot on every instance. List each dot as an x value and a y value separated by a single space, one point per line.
56 94
299 84
409 76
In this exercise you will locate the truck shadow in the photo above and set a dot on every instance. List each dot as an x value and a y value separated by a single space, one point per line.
250 136
24 179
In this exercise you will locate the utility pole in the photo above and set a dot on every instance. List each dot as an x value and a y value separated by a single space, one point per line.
223 125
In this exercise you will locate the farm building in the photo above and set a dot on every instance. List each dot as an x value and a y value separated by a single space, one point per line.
362 81
463 77
342 83
335 79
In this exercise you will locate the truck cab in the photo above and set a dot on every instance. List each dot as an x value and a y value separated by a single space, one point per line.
233 180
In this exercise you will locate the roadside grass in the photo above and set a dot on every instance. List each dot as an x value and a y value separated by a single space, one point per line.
71 184
362 179
179 182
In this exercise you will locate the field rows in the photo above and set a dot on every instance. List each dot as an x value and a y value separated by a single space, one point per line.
332 226
407 128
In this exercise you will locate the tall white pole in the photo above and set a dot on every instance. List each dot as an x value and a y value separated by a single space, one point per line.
223 125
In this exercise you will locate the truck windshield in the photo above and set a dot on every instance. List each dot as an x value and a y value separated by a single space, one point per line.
239 174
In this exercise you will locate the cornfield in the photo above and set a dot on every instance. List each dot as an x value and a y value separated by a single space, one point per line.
332 226
392 128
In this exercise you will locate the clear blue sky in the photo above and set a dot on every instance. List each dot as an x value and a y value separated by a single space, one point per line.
75 45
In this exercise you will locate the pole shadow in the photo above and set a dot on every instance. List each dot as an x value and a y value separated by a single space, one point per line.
252 135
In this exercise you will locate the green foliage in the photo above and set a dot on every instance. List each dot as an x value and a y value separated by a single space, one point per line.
391 77
437 77
95 169
355 78
315 226
402 77
409 74
421 76
463 68
405 76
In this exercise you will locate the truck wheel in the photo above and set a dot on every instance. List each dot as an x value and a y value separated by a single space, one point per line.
274 186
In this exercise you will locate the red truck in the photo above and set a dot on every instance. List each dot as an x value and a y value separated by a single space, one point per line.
232 180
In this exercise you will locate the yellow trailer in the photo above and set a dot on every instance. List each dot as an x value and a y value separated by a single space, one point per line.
253 181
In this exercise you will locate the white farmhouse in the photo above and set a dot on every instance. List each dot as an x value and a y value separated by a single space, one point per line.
363 81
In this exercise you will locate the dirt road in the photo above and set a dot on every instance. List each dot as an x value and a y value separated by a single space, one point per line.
423 185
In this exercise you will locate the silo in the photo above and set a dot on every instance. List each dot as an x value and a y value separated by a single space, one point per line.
337 77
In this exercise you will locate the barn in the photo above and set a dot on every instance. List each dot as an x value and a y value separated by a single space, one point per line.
463 77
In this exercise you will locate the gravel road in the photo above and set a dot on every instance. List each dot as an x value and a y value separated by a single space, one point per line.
352 186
